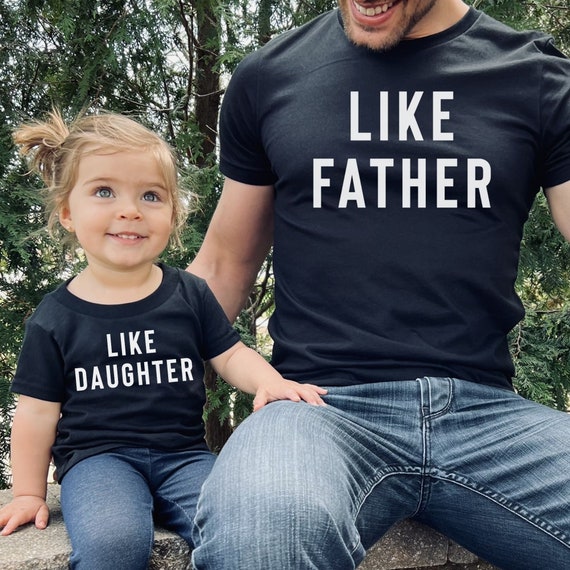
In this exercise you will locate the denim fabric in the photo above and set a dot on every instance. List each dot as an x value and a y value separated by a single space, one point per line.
109 502
299 487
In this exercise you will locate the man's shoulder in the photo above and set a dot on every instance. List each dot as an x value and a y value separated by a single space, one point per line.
505 38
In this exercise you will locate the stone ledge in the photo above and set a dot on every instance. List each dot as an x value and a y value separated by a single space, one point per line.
407 546
410 545
32 549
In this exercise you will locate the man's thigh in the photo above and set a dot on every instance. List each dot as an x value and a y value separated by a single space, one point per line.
499 478
300 476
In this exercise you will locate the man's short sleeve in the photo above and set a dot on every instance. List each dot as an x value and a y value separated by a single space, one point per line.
555 117
242 156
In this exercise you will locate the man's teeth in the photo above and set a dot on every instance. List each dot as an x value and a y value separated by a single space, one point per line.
374 11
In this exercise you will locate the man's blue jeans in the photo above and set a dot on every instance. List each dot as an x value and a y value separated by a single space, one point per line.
299 487
109 502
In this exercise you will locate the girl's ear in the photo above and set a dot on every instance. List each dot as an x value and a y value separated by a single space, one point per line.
65 218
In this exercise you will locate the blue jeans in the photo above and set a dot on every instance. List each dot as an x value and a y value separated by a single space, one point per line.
110 502
299 487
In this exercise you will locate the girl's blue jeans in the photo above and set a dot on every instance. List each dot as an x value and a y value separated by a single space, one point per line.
303 487
111 501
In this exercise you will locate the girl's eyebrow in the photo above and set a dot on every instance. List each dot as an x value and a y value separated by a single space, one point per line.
110 180
100 179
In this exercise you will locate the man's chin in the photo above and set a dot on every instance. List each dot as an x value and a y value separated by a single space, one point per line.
371 38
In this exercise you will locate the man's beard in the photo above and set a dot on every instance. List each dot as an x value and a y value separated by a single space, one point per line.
376 41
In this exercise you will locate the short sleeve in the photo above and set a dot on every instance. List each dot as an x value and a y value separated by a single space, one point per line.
39 373
217 332
555 115
242 156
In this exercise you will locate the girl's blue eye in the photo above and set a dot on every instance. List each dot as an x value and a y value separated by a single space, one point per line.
104 192
151 197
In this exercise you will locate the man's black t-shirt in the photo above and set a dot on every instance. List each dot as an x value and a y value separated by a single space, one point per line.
402 183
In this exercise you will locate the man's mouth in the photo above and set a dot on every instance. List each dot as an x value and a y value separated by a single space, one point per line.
373 11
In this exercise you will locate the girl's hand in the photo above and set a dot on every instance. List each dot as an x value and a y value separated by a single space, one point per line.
23 510
288 390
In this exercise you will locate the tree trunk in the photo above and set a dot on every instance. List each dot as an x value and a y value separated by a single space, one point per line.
207 104
217 432
207 79
264 21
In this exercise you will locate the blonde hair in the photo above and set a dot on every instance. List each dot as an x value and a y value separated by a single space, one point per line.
54 149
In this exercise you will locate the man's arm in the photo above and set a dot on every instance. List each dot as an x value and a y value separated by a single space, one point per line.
238 239
559 202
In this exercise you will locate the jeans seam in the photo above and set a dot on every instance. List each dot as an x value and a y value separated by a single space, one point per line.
379 478
505 503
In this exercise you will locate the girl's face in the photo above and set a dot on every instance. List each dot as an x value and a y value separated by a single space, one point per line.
119 209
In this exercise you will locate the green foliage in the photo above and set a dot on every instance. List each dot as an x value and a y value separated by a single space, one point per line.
204 186
227 403
551 17
7 407
545 262
541 349
540 344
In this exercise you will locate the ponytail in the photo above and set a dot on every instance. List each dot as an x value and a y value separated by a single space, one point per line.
42 142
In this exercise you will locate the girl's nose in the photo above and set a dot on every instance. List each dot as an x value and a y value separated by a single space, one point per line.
129 209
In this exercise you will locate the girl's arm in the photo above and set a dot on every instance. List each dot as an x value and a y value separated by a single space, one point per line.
248 371
33 434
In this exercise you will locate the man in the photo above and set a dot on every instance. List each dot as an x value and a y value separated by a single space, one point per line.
390 152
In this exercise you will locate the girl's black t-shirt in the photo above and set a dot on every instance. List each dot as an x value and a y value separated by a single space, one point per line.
127 375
